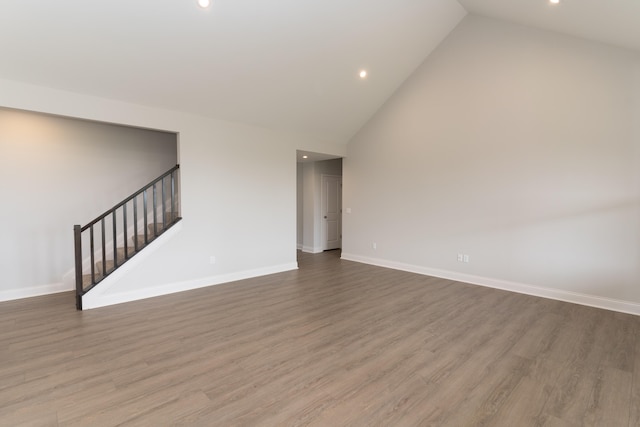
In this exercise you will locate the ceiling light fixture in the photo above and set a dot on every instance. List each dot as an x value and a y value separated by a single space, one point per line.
305 157
204 3
363 74
554 1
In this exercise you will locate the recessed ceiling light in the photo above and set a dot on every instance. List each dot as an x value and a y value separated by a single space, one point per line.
554 1
363 74
305 157
204 3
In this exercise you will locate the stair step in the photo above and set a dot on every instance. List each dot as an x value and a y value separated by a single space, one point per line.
130 251
156 228
99 267
158 225
86 279
170 219
141 242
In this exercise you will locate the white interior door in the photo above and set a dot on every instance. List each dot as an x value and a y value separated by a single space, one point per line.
331 206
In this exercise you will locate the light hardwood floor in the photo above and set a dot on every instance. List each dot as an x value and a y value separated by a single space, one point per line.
334 343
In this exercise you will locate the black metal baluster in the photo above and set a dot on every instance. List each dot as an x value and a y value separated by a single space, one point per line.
164 207
115 239
124 224
93 266
135 224
155 213
146 226
173 198
77 240
104 248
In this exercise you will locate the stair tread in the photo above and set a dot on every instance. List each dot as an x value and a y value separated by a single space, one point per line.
109 269
130 251
86 279
141 243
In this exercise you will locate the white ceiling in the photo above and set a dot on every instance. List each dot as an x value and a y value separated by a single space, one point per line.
616 22
310 157
281 64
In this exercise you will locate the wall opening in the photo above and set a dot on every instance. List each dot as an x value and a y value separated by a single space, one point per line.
319 219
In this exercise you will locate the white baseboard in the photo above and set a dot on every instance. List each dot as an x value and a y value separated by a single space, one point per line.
68 280
522 288
96 300
36 291
311 249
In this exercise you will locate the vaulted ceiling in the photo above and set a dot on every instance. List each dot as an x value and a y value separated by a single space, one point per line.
615 22
282 64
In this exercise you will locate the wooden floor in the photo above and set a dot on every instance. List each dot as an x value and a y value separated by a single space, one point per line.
334 343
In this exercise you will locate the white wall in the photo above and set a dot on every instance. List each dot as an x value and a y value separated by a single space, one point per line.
57 172
299 205
238 188
515 146
310 241
636 119
310 203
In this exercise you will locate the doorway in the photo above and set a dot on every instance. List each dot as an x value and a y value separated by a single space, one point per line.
319 194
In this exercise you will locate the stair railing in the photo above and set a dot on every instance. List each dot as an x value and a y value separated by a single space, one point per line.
114 224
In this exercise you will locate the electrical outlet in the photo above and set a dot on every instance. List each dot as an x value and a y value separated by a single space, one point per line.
374 245
212 259
466 258
460 257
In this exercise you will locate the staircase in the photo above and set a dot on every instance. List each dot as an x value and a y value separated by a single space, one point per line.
103 269
131 225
